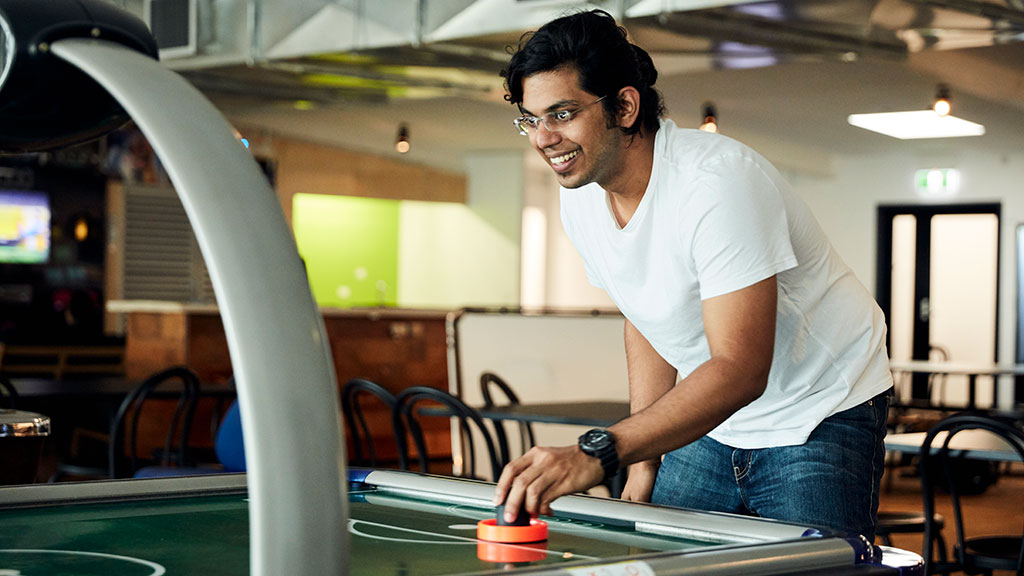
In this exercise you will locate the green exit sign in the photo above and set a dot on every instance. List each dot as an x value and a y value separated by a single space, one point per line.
937 181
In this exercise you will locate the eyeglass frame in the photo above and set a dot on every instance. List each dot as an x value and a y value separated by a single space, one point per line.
543 118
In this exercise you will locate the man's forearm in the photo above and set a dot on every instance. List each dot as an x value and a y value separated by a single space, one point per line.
650 376
740 330
687 411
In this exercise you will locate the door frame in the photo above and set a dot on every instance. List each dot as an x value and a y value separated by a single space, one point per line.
883 271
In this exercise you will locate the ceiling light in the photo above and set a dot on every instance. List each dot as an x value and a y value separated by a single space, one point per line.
916 124
402 142
941 105
710 122
81 229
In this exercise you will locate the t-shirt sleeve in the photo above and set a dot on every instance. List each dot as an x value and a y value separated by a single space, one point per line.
741 233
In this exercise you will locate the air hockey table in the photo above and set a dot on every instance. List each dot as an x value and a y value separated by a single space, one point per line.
71 70
400 523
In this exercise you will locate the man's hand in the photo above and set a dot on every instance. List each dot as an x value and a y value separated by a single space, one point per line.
538 477
640 481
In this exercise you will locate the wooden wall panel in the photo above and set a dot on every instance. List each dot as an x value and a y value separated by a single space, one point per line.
394 348
207 348
393 351
157 341
305 167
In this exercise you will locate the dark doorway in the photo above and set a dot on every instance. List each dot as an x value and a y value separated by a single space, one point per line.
938 280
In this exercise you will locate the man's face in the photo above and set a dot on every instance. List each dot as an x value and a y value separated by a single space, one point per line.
586 150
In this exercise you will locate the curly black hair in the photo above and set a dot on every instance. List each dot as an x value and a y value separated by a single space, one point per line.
598 48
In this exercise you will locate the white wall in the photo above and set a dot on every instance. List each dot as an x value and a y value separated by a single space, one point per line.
454 255
565 283
845 205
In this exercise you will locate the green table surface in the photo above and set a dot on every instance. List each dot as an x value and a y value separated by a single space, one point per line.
209 535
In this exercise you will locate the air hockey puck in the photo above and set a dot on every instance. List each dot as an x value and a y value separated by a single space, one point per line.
489 531
500 553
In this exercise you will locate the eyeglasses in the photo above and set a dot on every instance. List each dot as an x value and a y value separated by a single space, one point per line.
553 121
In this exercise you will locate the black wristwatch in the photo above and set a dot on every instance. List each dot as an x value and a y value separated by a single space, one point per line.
600 444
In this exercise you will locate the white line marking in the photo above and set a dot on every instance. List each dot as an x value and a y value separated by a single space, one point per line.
352 528
458 539
158 570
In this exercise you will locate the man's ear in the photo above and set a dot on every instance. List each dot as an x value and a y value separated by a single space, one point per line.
628 108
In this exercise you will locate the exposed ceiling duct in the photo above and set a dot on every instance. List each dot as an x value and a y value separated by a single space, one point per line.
399 49
783 74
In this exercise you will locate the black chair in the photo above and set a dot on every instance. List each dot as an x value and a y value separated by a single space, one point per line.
407 420
526 438
979 554
229 447
125 425
175 450
355 421
8 394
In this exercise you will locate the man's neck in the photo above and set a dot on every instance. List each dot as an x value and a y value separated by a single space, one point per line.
627 189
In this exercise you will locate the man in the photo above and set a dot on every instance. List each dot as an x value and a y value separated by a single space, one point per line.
725 279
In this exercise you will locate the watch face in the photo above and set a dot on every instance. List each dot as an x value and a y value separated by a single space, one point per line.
597 438
6 49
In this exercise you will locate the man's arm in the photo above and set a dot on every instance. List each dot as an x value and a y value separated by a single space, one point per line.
740 330
650 377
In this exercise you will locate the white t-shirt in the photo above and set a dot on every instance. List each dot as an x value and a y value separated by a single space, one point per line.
717 217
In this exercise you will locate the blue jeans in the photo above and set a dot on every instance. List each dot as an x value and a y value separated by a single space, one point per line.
830 481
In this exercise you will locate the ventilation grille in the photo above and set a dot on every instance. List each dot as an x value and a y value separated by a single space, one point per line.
162 260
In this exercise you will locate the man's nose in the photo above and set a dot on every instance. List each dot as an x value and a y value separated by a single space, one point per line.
542 137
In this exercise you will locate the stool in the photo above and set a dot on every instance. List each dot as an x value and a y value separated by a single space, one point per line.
890 523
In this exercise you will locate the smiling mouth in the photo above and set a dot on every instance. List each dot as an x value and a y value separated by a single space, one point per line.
558 160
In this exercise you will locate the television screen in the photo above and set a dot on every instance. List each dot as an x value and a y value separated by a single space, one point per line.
24 227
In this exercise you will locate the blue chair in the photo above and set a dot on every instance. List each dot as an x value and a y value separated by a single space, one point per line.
230 445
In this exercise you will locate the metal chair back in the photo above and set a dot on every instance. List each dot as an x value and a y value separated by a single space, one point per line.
176 439
526 438
937 465
363 452
407 420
